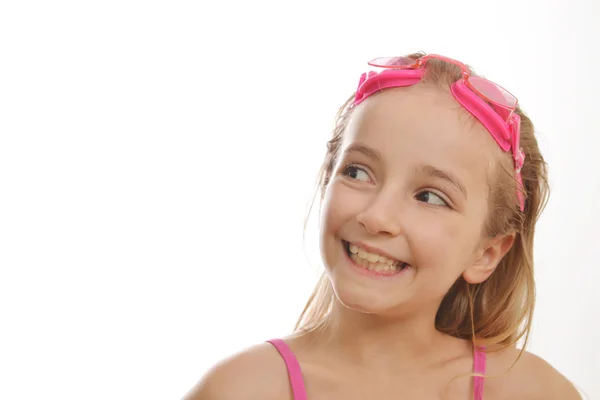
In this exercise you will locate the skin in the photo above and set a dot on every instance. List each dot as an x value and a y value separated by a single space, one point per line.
422 204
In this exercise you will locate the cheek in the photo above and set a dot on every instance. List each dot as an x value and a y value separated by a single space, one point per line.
330 220
442 244
339 209
340 205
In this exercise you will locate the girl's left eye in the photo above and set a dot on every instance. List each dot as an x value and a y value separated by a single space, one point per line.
430 197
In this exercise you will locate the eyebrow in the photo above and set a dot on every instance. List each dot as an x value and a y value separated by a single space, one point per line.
438 173
367 151
430 170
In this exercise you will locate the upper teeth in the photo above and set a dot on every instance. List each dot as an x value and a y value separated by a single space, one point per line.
371 257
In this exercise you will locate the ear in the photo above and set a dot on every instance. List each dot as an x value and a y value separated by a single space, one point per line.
488 257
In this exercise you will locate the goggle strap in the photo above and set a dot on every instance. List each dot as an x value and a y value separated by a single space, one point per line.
481 110
373 82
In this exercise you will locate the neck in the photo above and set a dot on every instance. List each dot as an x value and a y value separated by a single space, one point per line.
384 343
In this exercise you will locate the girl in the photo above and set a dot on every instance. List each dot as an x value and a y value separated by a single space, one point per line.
431 187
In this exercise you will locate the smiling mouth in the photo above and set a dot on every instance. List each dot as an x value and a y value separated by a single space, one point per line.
374 262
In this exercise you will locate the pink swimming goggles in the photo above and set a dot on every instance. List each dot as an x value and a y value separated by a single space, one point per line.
490 103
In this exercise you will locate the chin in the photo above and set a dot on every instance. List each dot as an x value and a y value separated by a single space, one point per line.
364 299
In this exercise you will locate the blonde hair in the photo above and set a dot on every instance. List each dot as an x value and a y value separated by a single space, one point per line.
497 312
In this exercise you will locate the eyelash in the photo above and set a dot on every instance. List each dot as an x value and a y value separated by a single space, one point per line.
348 167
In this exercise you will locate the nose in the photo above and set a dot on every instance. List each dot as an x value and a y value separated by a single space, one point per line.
381 216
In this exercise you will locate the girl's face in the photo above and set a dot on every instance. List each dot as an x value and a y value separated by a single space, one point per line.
411 185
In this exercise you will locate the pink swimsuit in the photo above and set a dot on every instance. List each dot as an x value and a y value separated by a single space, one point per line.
297 382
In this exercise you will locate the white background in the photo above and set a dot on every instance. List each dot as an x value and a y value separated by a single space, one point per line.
157 160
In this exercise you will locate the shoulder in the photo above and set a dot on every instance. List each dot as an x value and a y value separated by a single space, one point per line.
254 373
531 377
547 381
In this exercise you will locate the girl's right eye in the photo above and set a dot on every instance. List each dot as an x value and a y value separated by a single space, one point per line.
356 173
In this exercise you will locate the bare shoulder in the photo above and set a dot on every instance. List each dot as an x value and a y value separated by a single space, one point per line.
531 377
254 373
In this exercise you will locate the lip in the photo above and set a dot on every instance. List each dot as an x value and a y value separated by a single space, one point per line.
374 250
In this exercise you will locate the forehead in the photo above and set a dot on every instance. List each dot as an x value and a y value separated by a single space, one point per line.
422 125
